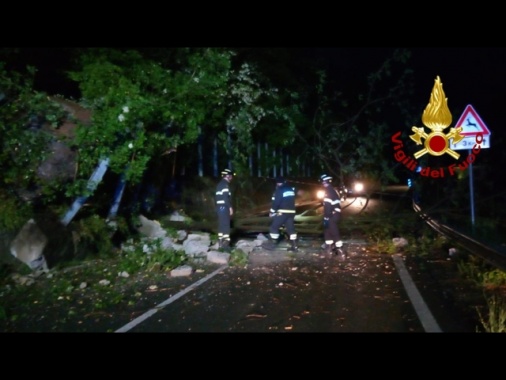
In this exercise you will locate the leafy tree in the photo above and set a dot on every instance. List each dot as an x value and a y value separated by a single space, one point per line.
27 121
146 101
348 135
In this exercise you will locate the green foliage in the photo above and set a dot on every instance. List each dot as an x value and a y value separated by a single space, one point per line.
238 258
255 108
422 240
492 281
494 278
13 212
471 269
481 273
141 106
62 286
380 236
93 237
427 243
495 319
171 231
149 254
145 102
24 144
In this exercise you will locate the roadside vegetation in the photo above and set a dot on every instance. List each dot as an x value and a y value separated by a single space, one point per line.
492 281
423 241
93 288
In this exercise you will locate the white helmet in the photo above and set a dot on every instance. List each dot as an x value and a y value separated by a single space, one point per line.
226 172
325 178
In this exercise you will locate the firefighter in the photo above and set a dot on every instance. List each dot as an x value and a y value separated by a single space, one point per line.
224 208
331 217
282 213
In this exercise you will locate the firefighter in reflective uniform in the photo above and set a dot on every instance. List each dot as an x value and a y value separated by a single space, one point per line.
224 208
331 217
282 213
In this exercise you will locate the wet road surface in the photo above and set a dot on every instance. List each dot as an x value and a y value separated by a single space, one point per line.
279 291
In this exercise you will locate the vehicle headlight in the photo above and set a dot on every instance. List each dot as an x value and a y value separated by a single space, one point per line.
358 187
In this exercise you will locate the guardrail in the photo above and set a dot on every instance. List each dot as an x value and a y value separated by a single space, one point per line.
473 246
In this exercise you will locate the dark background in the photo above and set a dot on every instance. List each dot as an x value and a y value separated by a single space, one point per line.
469 75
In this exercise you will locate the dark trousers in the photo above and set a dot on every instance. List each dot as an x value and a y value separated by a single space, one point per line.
331 233
223 222
288 220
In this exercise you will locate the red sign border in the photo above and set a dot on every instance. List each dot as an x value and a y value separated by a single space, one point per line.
469 109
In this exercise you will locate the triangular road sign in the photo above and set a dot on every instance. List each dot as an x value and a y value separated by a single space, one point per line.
471 123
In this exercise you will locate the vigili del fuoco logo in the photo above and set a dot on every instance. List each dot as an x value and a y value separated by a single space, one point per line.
437 118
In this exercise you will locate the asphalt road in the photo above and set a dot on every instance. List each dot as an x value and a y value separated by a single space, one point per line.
283 292
279 291
306 292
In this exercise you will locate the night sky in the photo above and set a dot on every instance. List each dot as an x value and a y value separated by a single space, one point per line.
473 76
469 75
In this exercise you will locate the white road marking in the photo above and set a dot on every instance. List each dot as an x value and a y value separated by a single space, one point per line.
168 301
421 308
